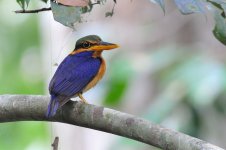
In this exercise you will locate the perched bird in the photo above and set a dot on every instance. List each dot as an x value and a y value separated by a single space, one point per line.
78 72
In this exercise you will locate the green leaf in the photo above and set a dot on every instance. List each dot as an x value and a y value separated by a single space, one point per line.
217 1
45 1
65 15
23 3
69 15
220 27
220 4
189 6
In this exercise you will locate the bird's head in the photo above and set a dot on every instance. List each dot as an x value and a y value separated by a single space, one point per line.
93 43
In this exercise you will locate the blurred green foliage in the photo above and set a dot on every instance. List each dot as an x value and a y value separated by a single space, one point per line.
13 48
187 83
120 77
21 73
21 135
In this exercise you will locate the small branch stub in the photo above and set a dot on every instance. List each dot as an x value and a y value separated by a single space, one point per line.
55 143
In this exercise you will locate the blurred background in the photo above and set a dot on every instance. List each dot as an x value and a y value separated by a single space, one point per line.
169 69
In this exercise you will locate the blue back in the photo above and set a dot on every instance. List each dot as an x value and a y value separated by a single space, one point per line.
74 74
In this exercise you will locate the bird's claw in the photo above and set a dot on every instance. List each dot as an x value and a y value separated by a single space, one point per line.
82 99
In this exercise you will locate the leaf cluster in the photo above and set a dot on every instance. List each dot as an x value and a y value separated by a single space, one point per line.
218 7
69 15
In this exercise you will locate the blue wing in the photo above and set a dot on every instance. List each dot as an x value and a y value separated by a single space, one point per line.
73 74
71 77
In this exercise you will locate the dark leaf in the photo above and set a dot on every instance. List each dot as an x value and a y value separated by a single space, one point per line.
161 3
109 14
45 1
23 3
220 27
220 4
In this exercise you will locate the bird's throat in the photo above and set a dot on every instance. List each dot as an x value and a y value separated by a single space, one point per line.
97 54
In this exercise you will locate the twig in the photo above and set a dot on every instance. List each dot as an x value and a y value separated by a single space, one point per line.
55 143
33 108
33 11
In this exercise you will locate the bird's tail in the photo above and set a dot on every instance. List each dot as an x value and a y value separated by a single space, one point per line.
52 107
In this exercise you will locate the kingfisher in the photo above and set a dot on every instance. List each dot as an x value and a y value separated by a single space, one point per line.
78 72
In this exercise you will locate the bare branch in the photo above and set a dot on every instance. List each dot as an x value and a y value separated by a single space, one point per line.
33 108
33 11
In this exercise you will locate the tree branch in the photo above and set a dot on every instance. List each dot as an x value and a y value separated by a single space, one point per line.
33 11
33 108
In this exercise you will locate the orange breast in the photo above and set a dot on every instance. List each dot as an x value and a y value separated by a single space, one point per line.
98 77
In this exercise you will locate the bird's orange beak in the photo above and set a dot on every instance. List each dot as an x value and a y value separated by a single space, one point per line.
104 46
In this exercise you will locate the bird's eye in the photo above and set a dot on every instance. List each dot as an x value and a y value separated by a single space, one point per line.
86 45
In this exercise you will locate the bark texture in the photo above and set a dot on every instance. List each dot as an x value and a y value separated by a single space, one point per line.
33 108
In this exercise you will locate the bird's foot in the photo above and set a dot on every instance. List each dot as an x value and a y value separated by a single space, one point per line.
82 99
